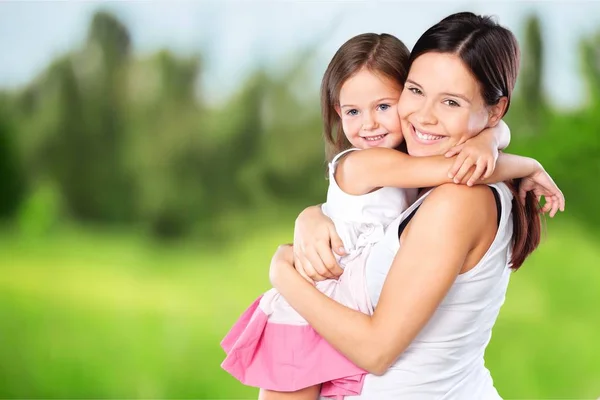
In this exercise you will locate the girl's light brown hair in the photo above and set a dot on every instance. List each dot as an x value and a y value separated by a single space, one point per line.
381 54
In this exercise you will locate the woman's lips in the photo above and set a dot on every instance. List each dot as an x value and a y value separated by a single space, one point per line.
425 137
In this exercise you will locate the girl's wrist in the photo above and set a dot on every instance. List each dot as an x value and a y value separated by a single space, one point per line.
536 166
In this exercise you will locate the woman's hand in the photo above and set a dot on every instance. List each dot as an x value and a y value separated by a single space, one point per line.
314 238
541 184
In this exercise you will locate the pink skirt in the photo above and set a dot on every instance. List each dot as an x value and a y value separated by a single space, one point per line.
272 347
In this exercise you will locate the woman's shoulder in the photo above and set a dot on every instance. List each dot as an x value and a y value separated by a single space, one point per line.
459 195
473 205
478 197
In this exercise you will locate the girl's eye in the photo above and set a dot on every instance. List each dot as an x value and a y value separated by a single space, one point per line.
415 90
352 112
383 107
452 103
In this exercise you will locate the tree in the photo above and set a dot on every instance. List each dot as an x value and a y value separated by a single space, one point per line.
10 169
532 71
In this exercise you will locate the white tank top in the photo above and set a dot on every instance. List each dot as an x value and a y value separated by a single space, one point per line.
445 361
361 220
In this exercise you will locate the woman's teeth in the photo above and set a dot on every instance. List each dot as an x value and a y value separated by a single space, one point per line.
427 136
374 138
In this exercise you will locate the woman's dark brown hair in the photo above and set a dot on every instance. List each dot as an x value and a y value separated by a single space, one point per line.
382 54
491 53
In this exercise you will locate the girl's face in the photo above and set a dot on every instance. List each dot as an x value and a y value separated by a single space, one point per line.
368 110
441 105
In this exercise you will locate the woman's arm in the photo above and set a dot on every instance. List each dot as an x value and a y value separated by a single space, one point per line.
418 280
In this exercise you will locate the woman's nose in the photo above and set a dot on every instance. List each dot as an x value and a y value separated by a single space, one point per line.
426 115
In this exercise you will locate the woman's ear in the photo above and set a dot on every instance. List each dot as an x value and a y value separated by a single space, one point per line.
496 112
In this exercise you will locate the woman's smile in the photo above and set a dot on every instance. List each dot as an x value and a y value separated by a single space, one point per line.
423 136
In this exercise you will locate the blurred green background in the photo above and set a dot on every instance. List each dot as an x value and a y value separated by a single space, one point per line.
144 192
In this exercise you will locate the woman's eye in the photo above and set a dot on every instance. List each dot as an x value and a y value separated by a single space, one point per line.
415 90
452 103
352 112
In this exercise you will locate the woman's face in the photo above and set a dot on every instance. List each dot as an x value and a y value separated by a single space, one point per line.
441 105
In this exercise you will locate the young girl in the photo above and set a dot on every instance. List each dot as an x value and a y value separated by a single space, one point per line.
271 346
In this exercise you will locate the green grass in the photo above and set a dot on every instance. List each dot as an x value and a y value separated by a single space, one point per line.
545 343
112 315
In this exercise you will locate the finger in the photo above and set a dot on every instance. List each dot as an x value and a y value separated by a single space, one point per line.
460 159
300 269
467 176
479 170
522 195
490 169
317 264
297 259
454 151
309 270
329 260
466 166
312 273
465 179
336 242
547 207
562 201
296 253
557 202
554 208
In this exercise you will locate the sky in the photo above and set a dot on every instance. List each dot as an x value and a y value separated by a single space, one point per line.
236 36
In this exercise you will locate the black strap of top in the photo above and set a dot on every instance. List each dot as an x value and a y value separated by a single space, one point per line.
498 210
498 205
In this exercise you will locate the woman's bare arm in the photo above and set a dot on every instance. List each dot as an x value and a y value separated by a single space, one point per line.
416 284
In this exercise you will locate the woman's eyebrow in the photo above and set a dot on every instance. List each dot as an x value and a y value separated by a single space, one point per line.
460 96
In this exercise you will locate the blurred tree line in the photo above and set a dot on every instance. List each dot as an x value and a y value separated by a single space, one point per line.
104 137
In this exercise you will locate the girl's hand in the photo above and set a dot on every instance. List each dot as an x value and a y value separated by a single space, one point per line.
314 238
476 159
542 185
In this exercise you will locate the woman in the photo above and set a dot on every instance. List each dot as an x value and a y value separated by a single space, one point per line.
446 261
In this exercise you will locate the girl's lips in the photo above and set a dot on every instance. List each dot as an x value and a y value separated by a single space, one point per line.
374 140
